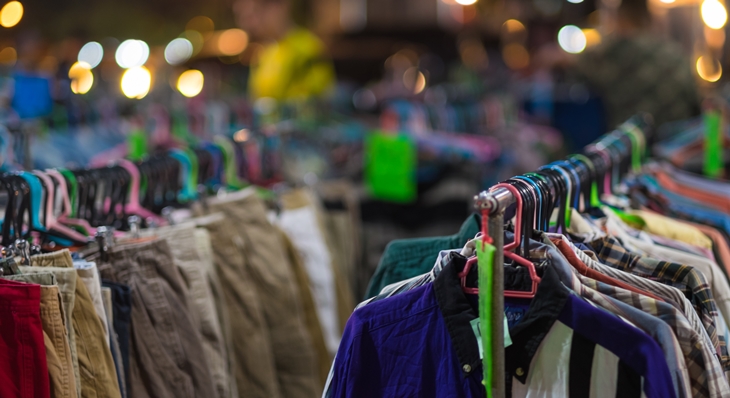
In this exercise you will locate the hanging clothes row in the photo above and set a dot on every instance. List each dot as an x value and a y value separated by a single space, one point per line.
169 277
591 297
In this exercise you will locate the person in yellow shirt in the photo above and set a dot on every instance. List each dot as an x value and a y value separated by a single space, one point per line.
293 63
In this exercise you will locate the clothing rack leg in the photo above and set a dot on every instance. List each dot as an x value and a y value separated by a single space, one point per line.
496 232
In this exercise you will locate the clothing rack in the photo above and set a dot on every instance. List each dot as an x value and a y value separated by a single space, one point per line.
493 204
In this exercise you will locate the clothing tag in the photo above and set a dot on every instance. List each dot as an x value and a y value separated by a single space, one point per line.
390 167
507 337
477 329
713 164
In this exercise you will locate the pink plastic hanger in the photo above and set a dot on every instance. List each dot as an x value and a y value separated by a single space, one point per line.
66 208
52 223
507 253
133 206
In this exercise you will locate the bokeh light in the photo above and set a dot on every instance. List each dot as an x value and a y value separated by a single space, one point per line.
572 39
136 82
513 26
593 37
190 83
132 53
575 1
200 24
91 53
8 56
709 69
466 2
178 51
232 42
81 77
515 56
11 14
714 14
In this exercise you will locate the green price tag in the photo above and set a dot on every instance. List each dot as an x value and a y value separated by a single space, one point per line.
137 145
485 261
390 167
713 164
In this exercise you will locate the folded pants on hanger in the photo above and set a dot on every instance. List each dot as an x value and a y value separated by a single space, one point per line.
96 366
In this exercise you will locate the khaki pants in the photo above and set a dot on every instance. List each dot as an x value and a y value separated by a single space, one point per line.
66 281
184 249
55 336
166 358
96 367
252 354
270 273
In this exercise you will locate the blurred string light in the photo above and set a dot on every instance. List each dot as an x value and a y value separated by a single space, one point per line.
241 135
593 37
575 1
136 82
190 83
714 14
709 69
515 56
81 77
8 56
232 42
11 14
571 39
667 1
132 53
466 2
91 53
178 51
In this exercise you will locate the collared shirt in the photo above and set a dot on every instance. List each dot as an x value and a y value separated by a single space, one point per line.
406 258
685 278
703 370
421 343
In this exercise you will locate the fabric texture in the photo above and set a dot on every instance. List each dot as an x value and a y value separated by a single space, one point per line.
181 240
58 351
96 366
66 281
300 221
407 258
106 296
324 359
166 355
691 282
431 326
121 301
89 274
252 354
205 250
265 259
23 368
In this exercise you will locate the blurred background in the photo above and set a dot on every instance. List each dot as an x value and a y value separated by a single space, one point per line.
417 104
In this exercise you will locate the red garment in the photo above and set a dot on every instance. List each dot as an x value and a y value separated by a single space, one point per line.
584 270
23 369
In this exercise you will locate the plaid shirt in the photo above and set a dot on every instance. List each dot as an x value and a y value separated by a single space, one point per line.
685 278
706 376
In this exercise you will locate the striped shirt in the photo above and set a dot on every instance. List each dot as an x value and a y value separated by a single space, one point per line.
685 278
702 369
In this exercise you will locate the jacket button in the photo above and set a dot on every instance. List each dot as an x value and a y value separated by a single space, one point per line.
520 372
466 368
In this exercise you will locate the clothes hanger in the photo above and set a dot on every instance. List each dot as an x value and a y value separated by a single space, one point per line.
65 217
51 223
507 253
133 206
